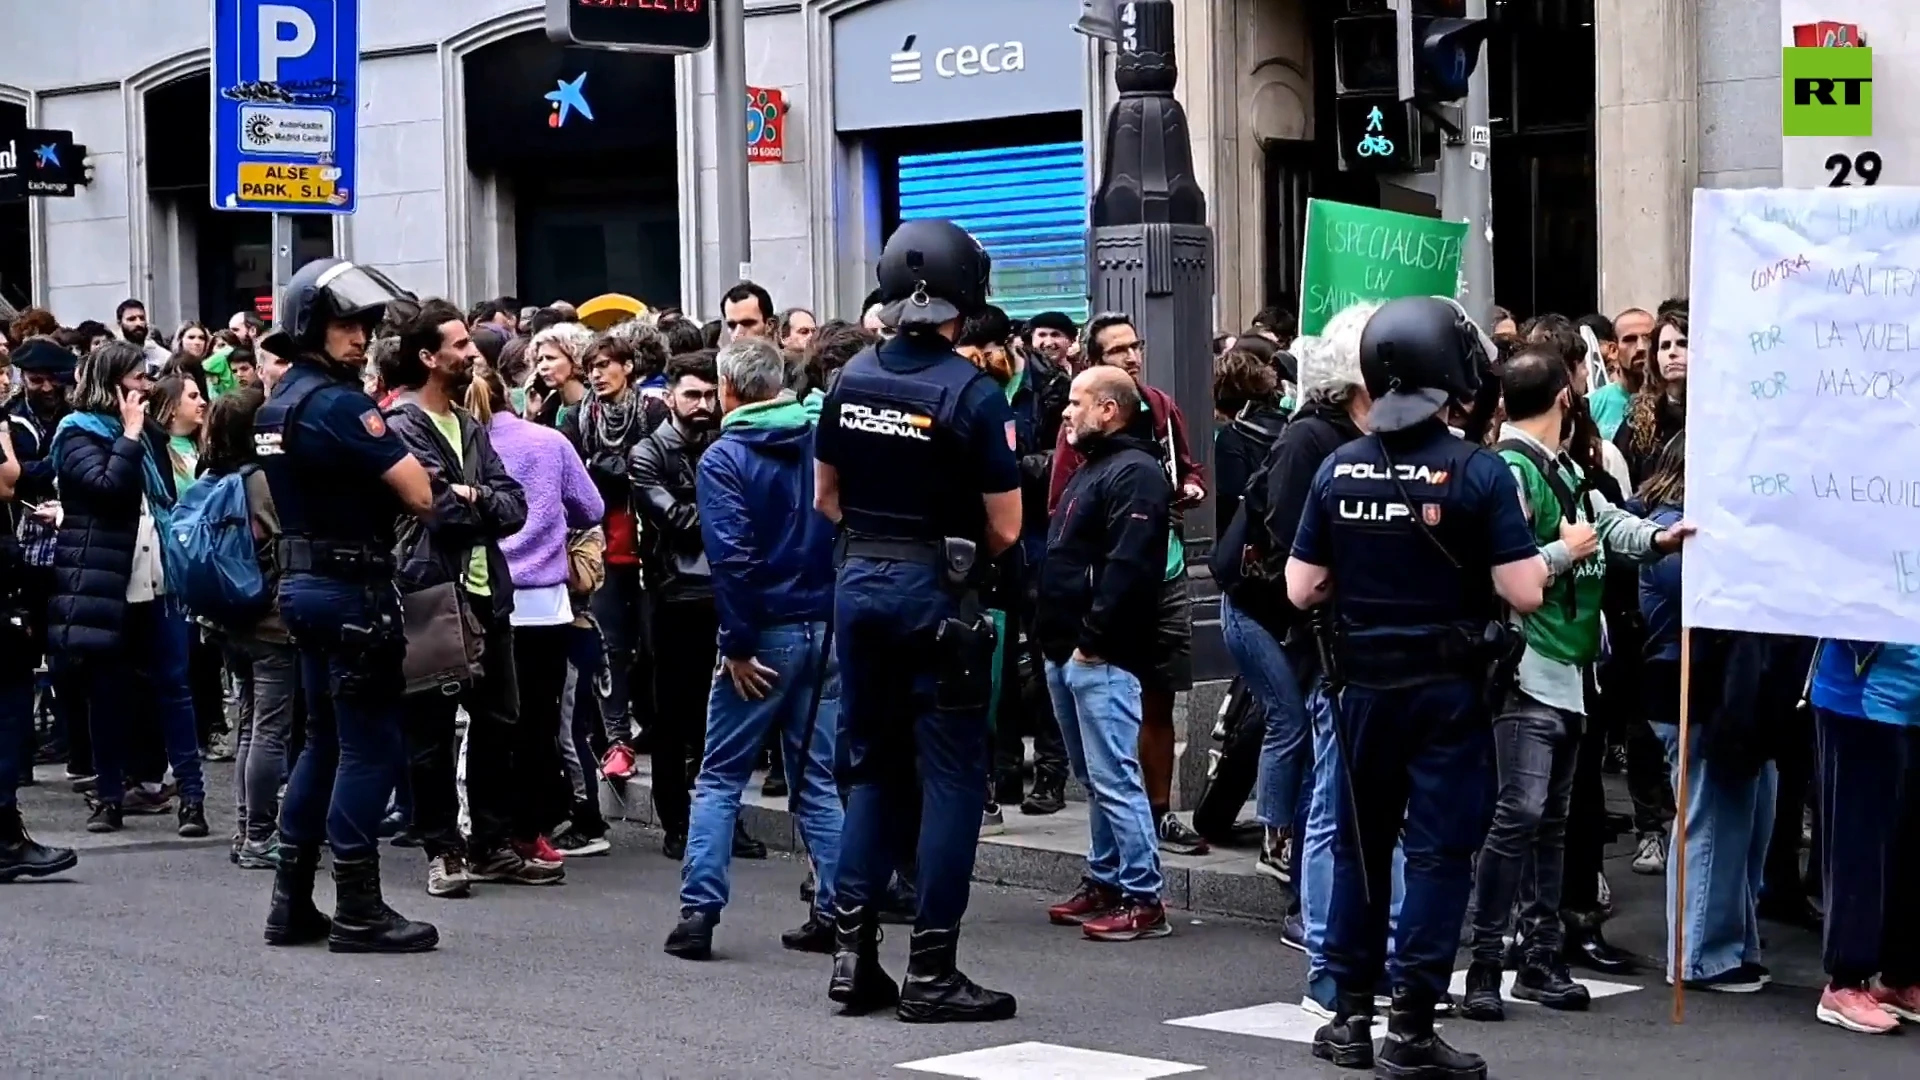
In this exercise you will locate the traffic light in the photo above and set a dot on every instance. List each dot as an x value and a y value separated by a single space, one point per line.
85 176
656 26
1379 127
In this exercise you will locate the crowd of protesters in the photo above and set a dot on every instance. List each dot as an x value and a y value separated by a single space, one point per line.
633 580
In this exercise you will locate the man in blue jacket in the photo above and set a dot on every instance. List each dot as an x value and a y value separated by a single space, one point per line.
771 558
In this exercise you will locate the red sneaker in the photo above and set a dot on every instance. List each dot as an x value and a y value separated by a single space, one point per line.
619 764
538 851
1131 921
1093 899
1903 1002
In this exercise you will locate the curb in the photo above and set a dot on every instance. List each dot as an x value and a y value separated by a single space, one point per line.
1044 854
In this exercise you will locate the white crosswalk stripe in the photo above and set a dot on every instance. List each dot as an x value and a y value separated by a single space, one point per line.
1275 1020
1598 988
1048 1061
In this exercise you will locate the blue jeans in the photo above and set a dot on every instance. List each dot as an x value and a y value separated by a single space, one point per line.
736 730
1316 862
149 675
1099 710
1729 823
1271 678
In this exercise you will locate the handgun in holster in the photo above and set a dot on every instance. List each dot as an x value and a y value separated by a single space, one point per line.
966 639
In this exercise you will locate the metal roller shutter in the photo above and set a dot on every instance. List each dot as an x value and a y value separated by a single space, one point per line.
1028 207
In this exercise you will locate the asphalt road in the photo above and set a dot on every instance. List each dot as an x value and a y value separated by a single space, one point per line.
147 960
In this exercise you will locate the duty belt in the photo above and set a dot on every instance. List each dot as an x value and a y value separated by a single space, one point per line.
925 552
332 558
1388 659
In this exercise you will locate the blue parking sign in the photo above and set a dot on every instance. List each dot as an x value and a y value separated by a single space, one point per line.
285 86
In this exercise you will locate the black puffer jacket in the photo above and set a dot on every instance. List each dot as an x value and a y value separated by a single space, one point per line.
101 484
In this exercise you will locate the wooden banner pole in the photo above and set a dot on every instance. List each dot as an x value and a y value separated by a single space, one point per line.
1677 866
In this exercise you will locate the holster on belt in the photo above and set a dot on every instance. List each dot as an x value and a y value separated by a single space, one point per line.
1399 658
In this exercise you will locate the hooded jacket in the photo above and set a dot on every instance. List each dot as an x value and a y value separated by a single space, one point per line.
1099 588
770 552
457 526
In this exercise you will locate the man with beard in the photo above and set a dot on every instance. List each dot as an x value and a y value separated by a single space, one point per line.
686 626
477 504
132 317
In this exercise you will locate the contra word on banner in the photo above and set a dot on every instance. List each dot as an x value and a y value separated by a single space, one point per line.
1803 440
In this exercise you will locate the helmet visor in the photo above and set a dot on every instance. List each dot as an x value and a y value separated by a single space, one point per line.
352 291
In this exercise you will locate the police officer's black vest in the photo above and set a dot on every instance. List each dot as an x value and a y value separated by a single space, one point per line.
904 470
316 498
1408 550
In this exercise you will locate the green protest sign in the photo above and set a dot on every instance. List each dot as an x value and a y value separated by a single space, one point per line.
1355 253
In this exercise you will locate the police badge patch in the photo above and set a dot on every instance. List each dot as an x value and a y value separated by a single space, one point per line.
1430 513
375 424
1013 438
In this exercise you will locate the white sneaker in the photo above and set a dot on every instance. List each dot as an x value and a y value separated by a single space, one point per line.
1651 858
992 821
447 877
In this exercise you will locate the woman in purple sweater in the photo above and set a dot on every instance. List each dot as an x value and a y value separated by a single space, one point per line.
560 497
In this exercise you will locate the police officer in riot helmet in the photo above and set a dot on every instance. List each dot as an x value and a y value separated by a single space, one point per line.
1411 547
915 463
340 480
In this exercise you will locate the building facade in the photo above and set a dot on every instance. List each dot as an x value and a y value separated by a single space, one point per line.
472 184
1607 113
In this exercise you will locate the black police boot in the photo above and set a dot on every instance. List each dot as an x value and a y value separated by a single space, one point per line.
1482 1001
1413 1052
936 993
362 921
814 936
1589 948
1347 1039
1544 980
293 919
692 939
859 982
22 856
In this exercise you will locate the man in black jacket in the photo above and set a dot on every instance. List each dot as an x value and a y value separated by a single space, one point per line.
1099 601
673 559
476 504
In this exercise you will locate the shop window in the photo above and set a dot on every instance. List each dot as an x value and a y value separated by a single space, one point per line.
1027 205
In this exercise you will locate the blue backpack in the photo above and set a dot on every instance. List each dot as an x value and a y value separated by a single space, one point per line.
212 563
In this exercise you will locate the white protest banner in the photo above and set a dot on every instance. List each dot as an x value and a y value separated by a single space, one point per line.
1803 439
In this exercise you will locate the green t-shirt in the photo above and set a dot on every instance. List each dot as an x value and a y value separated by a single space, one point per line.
1566 628
1176 545
1609 408
478 582
186 461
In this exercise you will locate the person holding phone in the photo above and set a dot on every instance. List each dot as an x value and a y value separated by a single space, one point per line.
110 613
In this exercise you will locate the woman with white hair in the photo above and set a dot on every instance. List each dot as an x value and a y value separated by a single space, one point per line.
559 376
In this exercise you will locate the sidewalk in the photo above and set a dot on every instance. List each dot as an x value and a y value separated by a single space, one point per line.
1045 853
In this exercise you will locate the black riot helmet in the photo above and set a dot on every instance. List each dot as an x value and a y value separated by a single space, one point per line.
1419 354
931 273
327 290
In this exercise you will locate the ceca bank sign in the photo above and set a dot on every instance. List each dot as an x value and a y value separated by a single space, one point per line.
911 63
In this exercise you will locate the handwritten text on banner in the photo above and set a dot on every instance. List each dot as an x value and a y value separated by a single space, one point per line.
1803 439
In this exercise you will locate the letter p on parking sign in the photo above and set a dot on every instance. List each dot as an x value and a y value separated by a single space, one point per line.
1826 92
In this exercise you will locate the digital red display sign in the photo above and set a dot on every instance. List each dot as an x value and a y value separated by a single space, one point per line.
670 26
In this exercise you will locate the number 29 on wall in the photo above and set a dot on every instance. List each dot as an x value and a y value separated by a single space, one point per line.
1844 167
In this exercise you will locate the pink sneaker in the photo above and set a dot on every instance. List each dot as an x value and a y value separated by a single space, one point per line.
619 763
1903 1003
1856 1010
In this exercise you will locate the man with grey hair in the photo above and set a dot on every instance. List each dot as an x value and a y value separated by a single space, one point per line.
771 558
